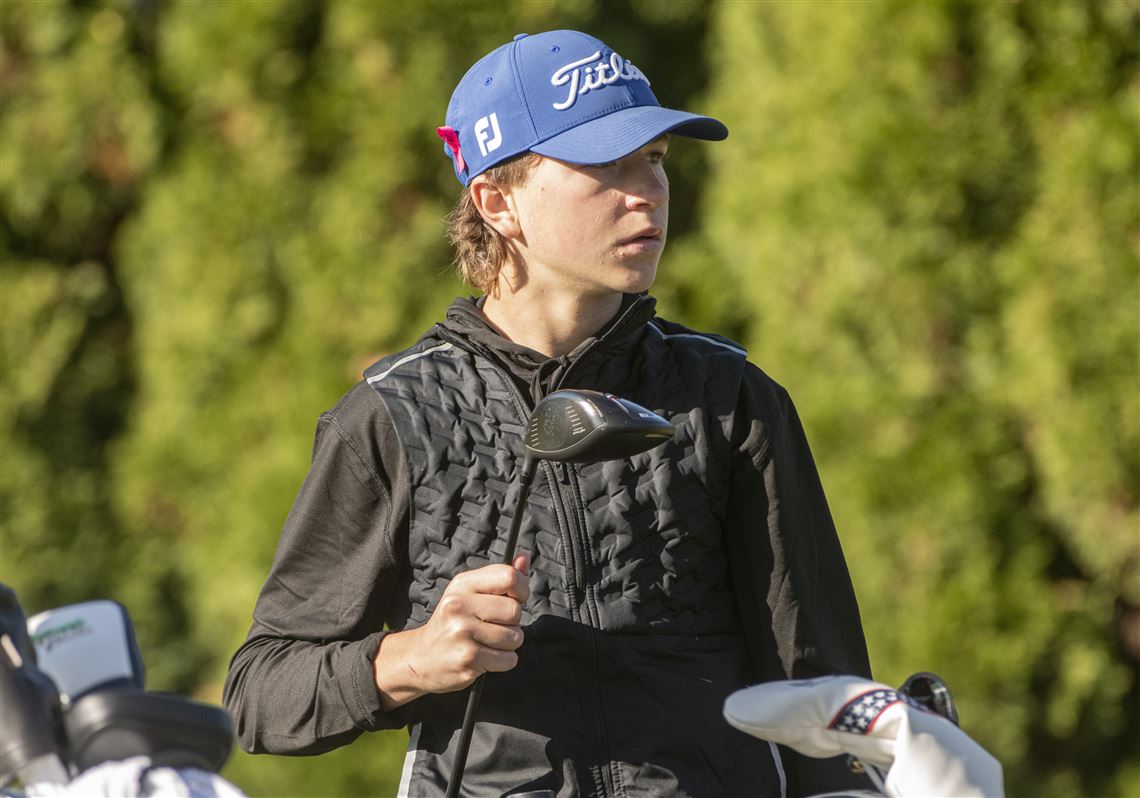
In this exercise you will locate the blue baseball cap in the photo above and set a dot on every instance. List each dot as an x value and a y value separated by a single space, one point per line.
562 94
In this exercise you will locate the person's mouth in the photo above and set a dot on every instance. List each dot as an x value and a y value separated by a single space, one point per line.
647 237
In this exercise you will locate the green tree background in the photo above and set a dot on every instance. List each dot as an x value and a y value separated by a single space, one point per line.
925 224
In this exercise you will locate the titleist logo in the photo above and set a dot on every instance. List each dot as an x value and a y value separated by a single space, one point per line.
593 72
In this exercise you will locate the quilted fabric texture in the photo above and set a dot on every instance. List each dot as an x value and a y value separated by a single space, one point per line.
622 545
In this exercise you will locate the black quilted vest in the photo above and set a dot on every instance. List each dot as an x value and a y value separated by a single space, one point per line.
632 638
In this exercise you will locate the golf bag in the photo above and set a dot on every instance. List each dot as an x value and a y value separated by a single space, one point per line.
77 719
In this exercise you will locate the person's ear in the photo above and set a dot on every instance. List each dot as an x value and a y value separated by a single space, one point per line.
496 204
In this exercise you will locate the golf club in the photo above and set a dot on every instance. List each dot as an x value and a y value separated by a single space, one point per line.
933 693
569 426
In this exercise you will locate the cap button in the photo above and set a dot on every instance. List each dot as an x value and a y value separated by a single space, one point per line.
520 36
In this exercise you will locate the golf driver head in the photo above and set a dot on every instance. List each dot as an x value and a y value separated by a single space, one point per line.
578 426
929 690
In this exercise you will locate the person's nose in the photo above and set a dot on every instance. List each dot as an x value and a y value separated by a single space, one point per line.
648 187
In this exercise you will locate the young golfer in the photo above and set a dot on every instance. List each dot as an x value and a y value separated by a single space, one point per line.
652 587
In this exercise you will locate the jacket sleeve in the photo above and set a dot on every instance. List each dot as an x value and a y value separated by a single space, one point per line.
789 576
302 683
790 579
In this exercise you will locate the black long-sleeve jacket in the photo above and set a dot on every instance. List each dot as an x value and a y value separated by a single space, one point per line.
345 567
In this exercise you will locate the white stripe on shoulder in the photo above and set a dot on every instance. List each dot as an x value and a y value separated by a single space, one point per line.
707 339
377 377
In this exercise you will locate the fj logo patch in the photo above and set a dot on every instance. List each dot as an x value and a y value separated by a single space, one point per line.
487 134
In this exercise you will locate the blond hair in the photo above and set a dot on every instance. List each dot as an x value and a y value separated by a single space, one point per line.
479 249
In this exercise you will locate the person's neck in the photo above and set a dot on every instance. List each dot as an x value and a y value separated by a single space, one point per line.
549 322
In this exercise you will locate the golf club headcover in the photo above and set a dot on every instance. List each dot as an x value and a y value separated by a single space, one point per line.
140 777
923 753
171 730
86 647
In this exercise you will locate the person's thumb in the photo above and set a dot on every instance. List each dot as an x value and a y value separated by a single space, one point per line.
522 562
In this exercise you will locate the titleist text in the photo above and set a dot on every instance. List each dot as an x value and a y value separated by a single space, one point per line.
593 72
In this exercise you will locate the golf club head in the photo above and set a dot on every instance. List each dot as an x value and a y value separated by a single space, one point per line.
579 426
929 690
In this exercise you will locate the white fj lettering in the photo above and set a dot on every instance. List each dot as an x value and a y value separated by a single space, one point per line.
598 73
488 143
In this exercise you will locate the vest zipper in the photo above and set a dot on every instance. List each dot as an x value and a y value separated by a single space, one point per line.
582 597
605 772
577 588
577 548
587 561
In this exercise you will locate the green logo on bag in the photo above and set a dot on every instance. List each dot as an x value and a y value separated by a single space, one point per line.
47 639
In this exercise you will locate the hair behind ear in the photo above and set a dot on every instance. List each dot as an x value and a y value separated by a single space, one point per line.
479 249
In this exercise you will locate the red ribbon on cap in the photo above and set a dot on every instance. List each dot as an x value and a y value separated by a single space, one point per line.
451 138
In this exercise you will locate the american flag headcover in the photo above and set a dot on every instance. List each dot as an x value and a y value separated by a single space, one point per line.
923 753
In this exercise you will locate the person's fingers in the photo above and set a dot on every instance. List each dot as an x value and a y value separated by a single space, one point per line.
499 579
503 580
498 637
497 661
501 610
520 589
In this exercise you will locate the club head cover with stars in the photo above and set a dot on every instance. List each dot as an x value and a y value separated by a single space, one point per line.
923 753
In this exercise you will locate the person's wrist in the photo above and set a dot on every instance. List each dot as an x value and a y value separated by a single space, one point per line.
395 677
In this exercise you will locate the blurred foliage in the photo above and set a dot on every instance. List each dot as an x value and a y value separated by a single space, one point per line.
214 215
78 130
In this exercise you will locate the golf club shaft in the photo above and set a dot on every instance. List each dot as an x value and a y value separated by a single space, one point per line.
476 693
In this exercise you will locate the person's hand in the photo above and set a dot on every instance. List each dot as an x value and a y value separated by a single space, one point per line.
474 629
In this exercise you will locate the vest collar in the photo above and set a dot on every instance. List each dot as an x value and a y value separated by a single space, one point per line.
465 325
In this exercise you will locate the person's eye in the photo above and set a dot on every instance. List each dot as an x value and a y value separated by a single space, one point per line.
657 156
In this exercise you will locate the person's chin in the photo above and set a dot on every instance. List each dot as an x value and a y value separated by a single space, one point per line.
639 276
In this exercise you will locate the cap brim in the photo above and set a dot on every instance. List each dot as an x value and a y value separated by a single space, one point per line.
617 134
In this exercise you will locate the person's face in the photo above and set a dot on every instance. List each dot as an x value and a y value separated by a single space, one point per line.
596 229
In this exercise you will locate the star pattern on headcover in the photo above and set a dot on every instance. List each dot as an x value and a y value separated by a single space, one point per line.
858 716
